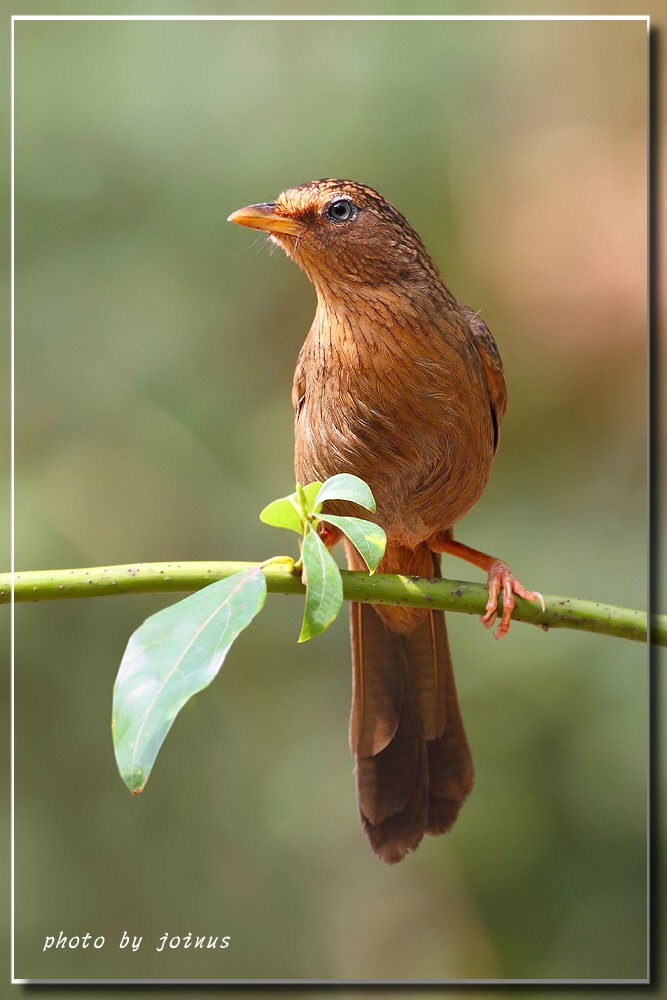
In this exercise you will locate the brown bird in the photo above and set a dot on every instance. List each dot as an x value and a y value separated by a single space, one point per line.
401 384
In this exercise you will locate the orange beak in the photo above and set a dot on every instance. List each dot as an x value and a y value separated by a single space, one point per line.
265 217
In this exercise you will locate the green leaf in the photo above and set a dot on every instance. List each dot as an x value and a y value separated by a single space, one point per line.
283 514
310 493
368 539
324 587
346 487
174 654
286 512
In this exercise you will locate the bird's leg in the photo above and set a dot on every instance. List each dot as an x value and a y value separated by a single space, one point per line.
500 577
329 535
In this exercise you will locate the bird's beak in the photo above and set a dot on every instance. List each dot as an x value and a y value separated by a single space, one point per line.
265 217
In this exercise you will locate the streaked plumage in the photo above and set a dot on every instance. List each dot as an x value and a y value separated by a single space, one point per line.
401 384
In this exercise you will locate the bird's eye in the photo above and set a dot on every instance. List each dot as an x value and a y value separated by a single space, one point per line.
341 210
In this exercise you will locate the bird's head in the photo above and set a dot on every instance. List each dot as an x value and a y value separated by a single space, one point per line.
344 235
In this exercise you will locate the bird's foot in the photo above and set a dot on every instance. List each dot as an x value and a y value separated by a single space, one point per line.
501 578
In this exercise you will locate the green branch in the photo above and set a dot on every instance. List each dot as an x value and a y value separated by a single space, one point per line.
450 595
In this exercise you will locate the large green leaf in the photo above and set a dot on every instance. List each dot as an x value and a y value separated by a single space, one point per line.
324 587
346 487
174 654
368 539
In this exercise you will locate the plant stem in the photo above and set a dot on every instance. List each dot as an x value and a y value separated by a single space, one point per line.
450 595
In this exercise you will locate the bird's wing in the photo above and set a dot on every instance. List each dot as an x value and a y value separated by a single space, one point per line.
493 366
299 384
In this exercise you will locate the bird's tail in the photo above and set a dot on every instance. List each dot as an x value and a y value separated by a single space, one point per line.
413 764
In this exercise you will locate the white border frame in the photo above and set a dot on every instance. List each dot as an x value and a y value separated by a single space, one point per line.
276 17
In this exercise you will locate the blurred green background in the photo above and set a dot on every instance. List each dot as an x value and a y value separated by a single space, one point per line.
155 346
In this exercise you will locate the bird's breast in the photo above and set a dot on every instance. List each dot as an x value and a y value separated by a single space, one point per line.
403 406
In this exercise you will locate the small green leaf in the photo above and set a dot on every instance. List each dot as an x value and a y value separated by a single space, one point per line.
286 512
174 654
324 587
283 514
310 492
346 487
368 539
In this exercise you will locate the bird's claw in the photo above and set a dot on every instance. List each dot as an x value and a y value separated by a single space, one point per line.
501 577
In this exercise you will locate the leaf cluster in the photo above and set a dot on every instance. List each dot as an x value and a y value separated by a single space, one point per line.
302 512
178 651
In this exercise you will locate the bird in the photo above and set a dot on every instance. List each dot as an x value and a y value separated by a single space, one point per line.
400 383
